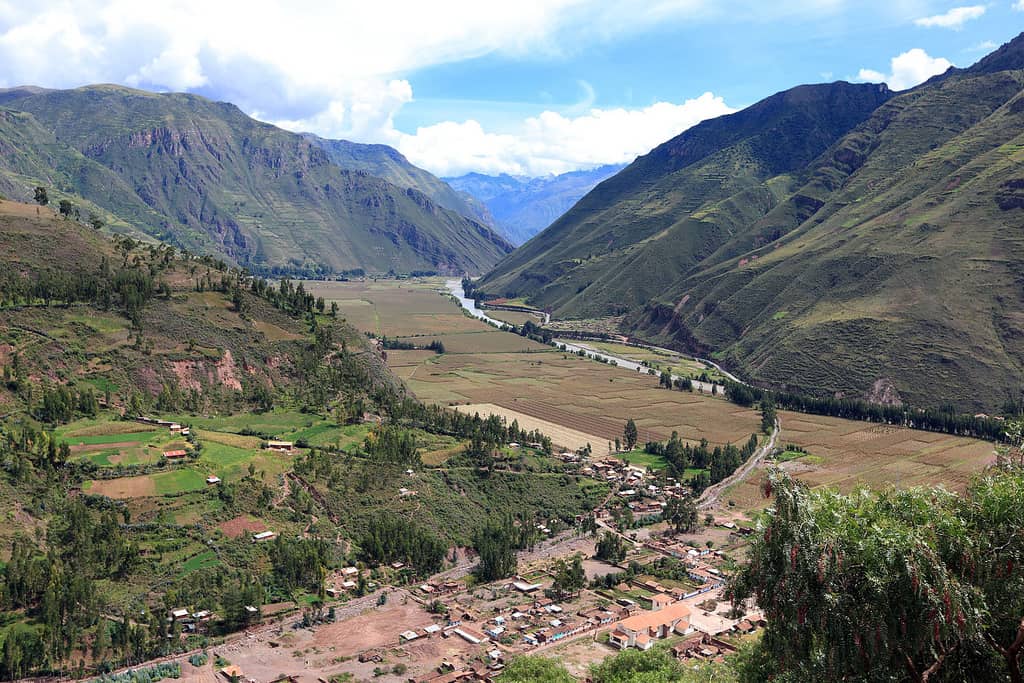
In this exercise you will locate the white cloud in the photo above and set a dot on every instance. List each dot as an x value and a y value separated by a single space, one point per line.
984 46
1019 5
340 69
954 18
907 70
552 142
345 68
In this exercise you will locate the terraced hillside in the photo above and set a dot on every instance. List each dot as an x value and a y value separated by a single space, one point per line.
886 266
207 177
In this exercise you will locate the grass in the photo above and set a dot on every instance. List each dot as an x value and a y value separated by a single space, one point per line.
178 481
643 459
100 439
278 422
786 456
204 559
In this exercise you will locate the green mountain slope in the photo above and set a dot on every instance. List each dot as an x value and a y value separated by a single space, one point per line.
522 207
207 177
391 165
889 266
648 216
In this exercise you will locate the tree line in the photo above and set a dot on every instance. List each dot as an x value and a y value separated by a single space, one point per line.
715 463
945 420
390 538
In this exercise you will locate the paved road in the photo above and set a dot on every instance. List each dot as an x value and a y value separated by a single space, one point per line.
629 364
455 288
709 498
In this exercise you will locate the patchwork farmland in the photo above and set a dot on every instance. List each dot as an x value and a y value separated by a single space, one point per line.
481 365
588 402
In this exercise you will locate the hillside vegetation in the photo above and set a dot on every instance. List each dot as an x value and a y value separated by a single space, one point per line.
391 165
206 177
113 518
832 239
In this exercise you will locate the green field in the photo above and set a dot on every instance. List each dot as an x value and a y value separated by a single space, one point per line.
643 459
204 559
178 481
99 439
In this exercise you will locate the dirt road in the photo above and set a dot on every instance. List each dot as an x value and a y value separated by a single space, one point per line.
710 498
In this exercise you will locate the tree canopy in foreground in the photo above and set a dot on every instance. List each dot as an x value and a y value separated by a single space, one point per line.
920 585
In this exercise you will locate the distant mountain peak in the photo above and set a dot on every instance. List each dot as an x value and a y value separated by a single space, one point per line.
523 206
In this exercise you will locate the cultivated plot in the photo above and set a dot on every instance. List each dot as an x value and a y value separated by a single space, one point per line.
846 454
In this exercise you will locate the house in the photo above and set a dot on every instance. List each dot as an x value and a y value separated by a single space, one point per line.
174 428
660 601
524 587
636 631
349 571
232 672
174 455
180 613
213 479
280 446
469 635
263 536
691 646
745 627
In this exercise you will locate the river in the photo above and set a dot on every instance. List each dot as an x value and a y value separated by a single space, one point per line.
455 288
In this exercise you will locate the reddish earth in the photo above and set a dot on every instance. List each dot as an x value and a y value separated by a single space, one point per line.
81 447
233 528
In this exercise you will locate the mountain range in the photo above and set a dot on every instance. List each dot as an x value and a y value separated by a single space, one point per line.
206 177
521 206
838 239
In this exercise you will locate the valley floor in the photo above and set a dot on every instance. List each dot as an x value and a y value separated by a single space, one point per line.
578 402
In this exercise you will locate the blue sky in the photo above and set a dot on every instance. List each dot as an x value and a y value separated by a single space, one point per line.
527 87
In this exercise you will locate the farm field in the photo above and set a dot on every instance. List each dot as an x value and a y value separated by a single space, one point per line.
109 444
580 394
590 401
845 454
513 317
395 308
677 364
560 436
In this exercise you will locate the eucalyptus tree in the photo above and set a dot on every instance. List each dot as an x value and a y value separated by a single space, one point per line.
921 585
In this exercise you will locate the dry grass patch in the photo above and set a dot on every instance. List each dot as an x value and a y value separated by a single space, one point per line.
274 333
126 487
228 439
562 437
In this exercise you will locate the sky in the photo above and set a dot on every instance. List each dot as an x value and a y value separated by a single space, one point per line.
529 87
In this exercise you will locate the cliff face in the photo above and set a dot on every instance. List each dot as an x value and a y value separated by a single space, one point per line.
205 176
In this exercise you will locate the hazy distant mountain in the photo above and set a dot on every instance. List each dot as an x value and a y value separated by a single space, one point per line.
204 175
833 238
523 206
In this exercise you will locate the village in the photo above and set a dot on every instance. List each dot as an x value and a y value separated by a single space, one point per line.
666 588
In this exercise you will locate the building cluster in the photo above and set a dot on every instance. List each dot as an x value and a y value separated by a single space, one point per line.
644 494
172 427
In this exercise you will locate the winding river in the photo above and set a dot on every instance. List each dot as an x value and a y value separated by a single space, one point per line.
455 288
